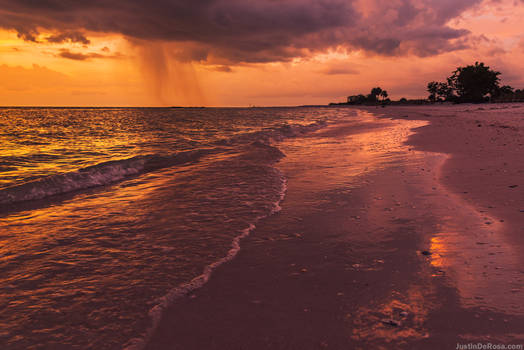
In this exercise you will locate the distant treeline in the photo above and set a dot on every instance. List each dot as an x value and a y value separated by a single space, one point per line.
377 96
474 83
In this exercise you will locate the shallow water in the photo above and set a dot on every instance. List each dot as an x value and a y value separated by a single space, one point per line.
106 212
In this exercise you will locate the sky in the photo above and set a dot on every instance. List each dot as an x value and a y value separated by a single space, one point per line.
246 52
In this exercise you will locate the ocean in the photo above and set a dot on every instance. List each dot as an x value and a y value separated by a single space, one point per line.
109 214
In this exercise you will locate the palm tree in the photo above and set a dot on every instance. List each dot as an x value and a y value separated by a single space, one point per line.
376 91
384 95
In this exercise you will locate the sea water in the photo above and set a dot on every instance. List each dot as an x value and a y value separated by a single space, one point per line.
107 215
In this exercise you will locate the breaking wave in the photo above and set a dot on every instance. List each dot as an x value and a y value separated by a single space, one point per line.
117 170
96 175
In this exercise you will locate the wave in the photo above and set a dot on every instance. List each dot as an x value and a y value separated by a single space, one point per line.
269 135
92 176
255 145
257 148
167 300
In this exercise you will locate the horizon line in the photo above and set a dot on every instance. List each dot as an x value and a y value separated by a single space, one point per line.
161 107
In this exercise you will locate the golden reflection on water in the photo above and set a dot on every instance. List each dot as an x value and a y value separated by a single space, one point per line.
48 158
64 142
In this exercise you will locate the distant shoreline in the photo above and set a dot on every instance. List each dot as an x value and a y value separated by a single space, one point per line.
331 104
417 103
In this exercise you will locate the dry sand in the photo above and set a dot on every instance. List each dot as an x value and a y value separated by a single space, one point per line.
378 245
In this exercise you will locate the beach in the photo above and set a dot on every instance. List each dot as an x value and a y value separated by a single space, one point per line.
261 175
262 228
403 230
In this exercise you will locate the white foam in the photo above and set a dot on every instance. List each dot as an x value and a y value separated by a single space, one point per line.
157 311
93 176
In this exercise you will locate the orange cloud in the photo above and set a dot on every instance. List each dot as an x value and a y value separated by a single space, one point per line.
239 53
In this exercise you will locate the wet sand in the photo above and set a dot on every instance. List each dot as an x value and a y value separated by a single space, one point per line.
486 144
376 245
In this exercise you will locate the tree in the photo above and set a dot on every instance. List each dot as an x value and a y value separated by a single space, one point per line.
372 97
445 92
506 89
356 99
440 92
505 94
376 91
361 98
472 83
432 89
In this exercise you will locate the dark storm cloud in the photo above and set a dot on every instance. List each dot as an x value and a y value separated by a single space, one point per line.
74 37
248 30
77 56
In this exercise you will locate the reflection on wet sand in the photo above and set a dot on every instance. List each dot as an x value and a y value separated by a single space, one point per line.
349 156
400 319
348 150
461 246
480 263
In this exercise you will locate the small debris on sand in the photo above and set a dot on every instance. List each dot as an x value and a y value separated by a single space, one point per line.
391 322
425 252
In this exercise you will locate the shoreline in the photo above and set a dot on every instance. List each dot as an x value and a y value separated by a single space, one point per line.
485 148
343 265
157 312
